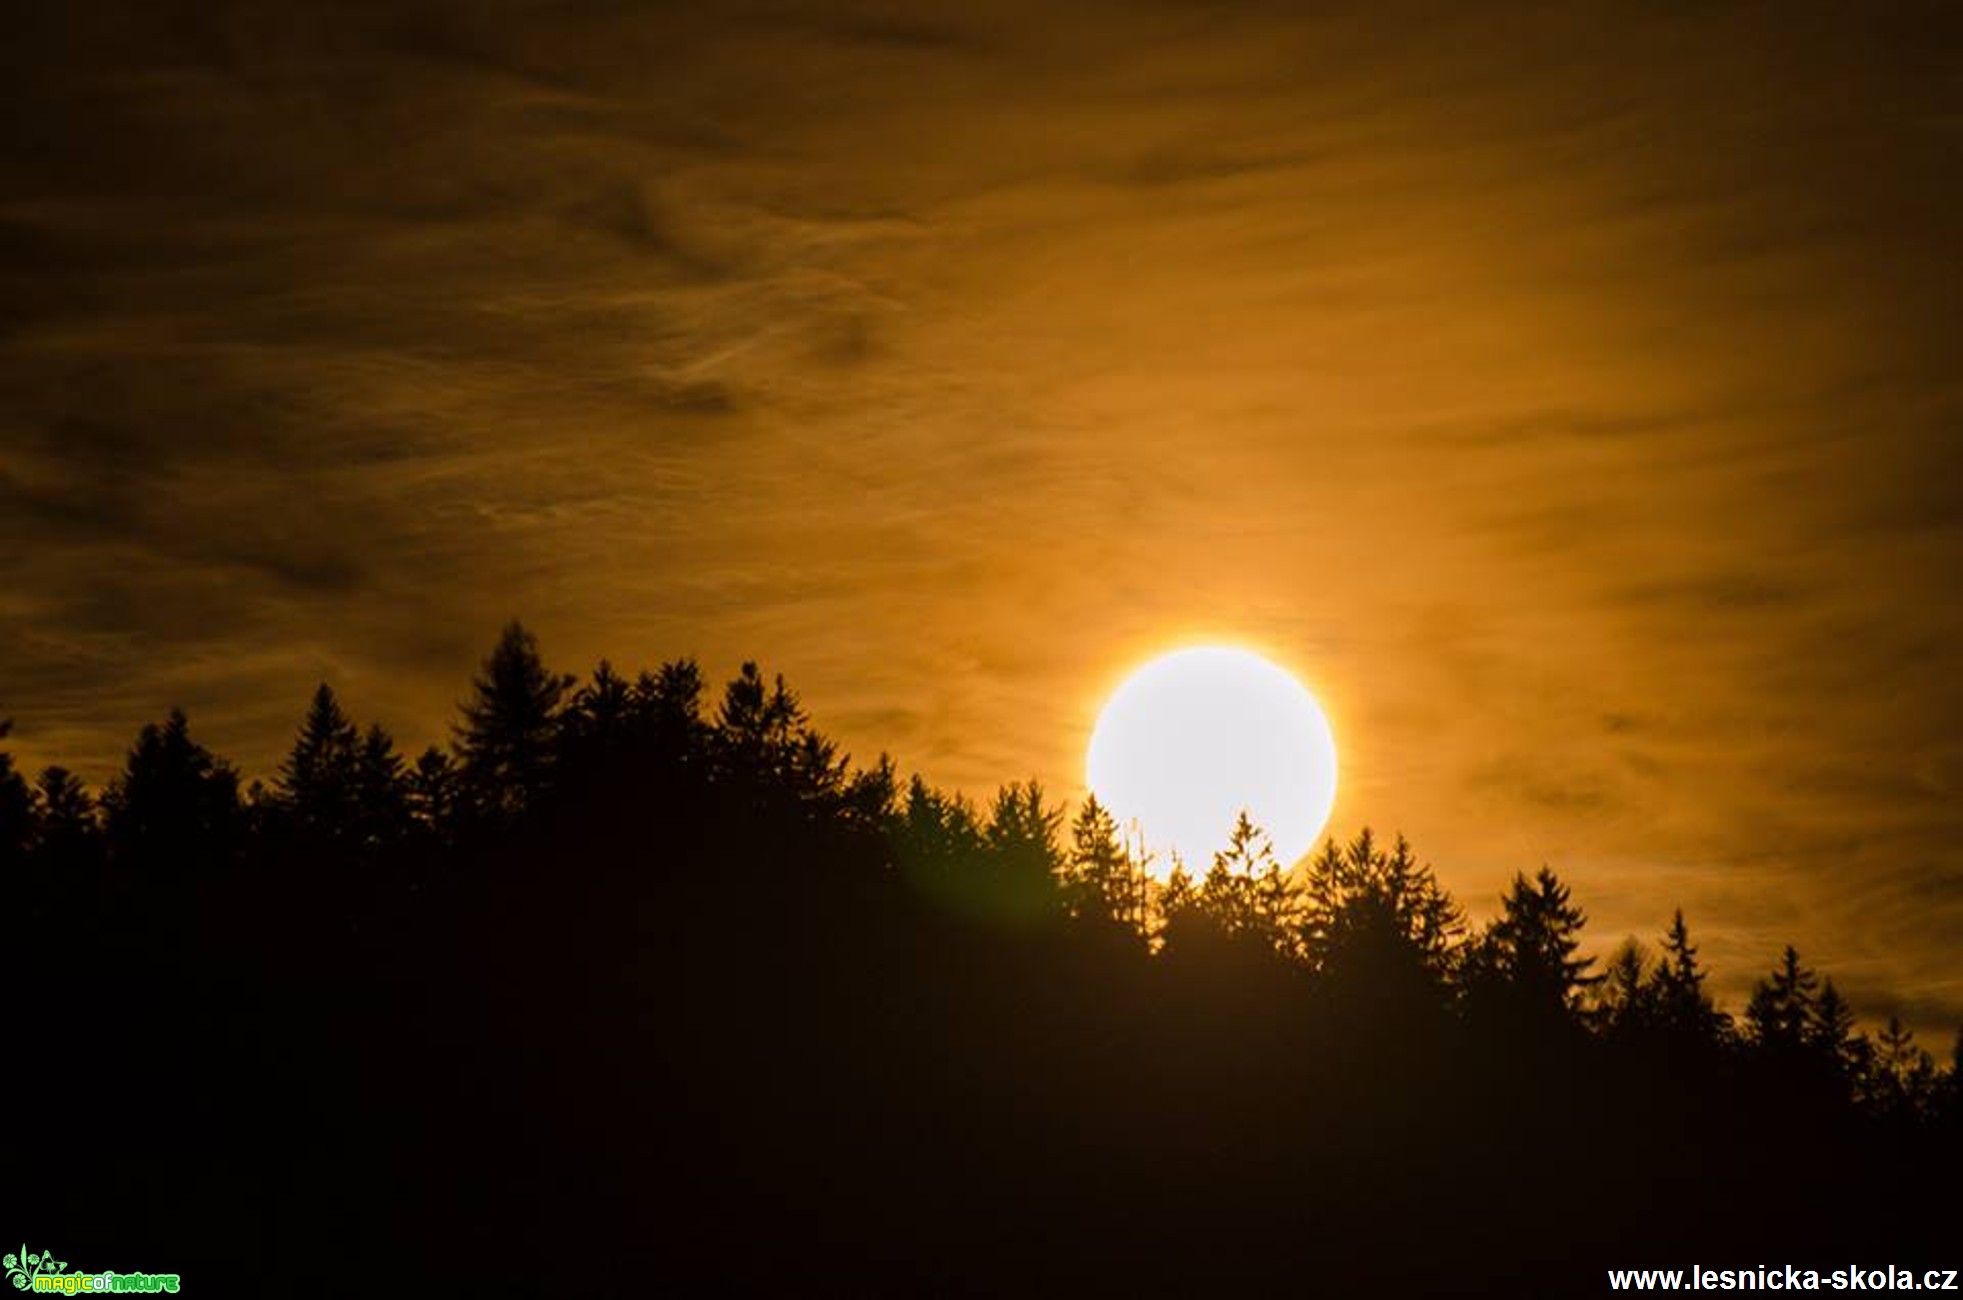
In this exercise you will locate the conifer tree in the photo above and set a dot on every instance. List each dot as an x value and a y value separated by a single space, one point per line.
1021 837
69 833
1246 893
1531 949
382 799
510 723
1363 898
1683 1007
757 726
1903 1079
1894 1045
1829 1031
817 772
764 741
600 716
1098 878
935 833
668 703
1628 1001
174 804
867 802
1227 899
1780 1012
316 786
1185 924
1949 1089
17 811
434 792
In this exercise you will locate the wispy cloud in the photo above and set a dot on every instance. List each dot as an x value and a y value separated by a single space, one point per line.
1570 393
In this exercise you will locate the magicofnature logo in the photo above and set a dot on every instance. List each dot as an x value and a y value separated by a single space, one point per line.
50 1276
23 1268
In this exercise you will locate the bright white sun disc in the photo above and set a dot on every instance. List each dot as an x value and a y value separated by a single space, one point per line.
1195 737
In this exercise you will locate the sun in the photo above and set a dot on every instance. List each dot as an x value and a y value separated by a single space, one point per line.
1196 736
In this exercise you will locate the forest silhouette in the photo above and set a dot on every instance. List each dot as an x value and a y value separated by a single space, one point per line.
631 984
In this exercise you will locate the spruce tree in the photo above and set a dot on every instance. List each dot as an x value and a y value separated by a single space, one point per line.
1780 1012
315 788
1683 1007
1098 878
1903 1079
1247 893
175 805
599 718
1829 1031
1362 897
1628 1001
434 793
382 799
70 834
668 705
1531 949
935 832
1023 854
509 726
757 726
1184 924
17 811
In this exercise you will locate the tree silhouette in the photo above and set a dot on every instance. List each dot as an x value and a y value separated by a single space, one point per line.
1023 854
832 1010
1895 1046
69 834
1187 925
17 829
868 800
1254 891
1830 1033
434 793
669 705
1683 1007
1244 900
937 831
1227 897
509 724
1099 881
599 721
937 839
758 725
316 788
1948 1092
174 806
1530 951
1630 996
764 743
1903 1082
1780 1015
1379 913
383 803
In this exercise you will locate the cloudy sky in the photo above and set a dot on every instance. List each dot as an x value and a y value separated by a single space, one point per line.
1571 393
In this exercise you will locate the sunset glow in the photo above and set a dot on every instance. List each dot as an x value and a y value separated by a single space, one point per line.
1194 738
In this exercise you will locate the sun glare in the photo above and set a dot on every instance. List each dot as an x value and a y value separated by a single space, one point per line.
1194 737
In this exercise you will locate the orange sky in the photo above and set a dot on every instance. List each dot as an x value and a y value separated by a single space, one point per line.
1569 393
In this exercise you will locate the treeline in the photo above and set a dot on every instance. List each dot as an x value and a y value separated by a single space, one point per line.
628 961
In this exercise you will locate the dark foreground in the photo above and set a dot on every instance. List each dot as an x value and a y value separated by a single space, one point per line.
700 1016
